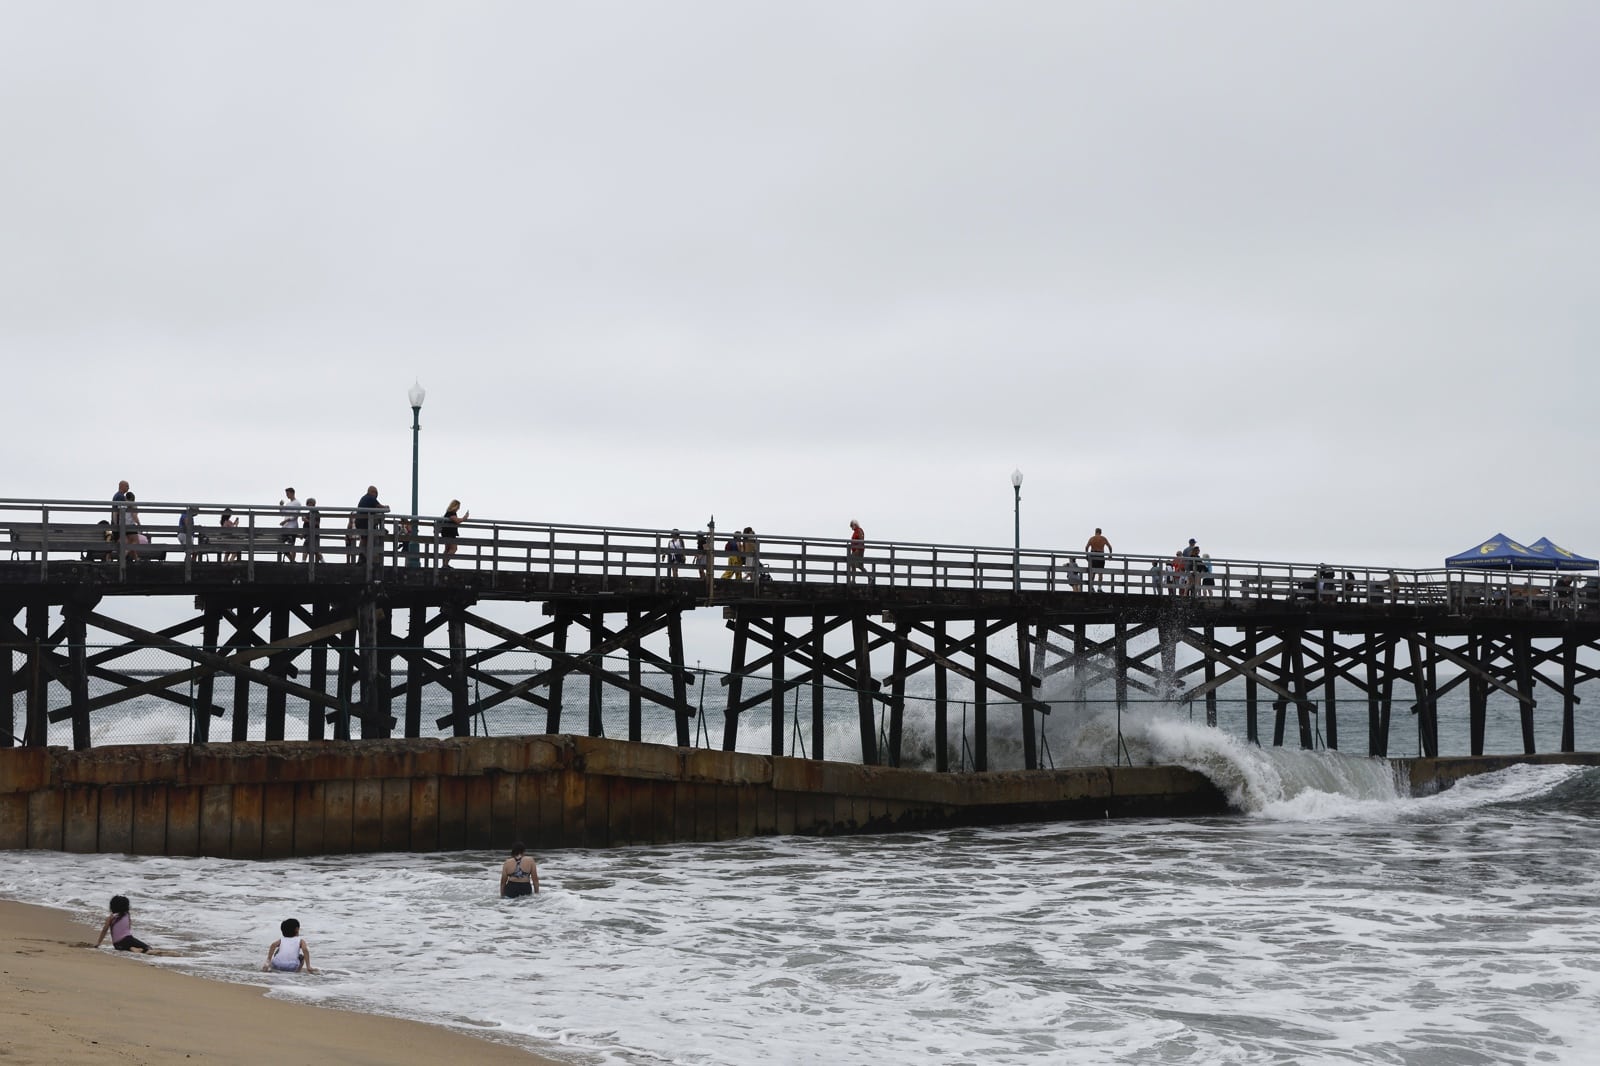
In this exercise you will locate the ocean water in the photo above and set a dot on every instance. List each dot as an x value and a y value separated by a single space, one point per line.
1336 921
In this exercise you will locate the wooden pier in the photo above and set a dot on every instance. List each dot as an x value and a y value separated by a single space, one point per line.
354 632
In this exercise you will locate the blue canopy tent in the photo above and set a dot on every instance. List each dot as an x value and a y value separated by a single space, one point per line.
1560 558
1500 552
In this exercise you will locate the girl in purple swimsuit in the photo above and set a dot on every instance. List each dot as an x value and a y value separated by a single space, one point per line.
120 927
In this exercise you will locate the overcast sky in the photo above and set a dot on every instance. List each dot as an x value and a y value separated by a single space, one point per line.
1301 281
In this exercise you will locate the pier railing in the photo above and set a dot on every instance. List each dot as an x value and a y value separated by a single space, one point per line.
51 534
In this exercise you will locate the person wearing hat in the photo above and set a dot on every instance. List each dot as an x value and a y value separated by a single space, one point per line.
674 553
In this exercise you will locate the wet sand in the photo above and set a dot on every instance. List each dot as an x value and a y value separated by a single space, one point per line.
61 1001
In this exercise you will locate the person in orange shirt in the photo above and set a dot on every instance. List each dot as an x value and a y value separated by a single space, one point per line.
856 553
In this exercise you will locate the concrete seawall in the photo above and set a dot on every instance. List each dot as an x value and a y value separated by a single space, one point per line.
1428 776
275 800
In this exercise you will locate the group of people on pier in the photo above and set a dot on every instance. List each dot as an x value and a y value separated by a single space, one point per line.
299 533
297 523
1187 574
743 550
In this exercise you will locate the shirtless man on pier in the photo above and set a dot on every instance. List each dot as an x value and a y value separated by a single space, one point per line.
1098 549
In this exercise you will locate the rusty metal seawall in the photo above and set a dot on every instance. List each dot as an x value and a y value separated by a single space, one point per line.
275 800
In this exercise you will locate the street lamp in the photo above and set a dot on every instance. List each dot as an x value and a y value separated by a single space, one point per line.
416 394
1016 516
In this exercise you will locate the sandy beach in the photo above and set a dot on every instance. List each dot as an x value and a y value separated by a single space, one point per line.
61 1001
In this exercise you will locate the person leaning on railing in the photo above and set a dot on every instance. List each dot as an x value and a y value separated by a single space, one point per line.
368 521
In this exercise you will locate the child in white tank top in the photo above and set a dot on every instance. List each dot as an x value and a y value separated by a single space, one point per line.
289 953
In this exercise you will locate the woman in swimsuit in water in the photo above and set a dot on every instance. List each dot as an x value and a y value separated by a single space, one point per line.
518 875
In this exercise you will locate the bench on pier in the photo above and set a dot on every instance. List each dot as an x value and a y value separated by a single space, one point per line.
231 540
92 540
227 541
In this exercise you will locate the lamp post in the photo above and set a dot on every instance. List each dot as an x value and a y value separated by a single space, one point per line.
416 394
1016 517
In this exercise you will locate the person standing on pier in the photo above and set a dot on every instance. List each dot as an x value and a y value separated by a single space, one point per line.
1098 548
450 529
187 535
228 521
313 528
368 519
704 544
673 556
290 510
132 535
856 552
752 554
118 511
1189 583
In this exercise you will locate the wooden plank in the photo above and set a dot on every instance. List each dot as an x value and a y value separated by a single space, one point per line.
233 664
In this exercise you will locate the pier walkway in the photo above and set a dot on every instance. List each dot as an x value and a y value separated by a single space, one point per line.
803 612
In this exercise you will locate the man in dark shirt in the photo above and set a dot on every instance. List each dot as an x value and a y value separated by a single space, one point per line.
368 517
119 508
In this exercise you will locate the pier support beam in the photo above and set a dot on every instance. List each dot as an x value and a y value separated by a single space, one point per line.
78 654
200 713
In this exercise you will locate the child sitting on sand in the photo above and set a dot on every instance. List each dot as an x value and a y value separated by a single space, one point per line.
289 952
120 926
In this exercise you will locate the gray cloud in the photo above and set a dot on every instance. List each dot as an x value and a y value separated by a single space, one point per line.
1303 284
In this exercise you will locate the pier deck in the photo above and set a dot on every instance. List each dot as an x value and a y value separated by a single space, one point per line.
322 631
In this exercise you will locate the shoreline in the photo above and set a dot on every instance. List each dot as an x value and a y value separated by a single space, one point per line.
61 1001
